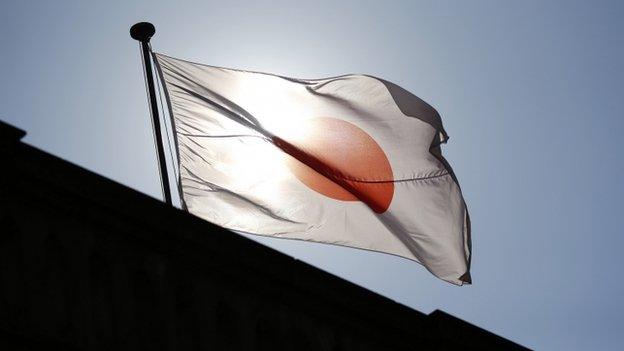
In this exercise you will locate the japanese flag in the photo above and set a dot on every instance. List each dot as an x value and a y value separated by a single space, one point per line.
351 160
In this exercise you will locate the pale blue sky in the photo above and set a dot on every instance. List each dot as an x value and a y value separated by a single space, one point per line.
531 93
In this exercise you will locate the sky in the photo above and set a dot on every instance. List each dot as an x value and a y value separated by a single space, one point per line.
530 92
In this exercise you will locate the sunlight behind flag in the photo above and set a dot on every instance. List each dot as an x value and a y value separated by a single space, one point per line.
351 160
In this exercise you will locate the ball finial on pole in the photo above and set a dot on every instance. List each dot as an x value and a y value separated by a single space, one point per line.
142 31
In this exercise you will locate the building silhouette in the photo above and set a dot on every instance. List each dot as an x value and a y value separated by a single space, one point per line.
89 264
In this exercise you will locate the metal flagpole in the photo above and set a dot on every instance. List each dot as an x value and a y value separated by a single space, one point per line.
143 32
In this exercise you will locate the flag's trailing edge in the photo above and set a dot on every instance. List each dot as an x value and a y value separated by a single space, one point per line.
351 160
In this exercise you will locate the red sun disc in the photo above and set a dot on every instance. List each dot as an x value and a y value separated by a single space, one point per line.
341 161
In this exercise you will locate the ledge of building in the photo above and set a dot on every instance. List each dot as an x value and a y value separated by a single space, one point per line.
178 235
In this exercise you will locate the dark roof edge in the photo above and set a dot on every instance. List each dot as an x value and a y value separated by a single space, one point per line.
147 212
10 134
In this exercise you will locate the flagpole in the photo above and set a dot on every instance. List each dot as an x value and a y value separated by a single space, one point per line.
143 32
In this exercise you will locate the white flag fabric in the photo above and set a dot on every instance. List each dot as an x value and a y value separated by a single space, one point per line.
352 160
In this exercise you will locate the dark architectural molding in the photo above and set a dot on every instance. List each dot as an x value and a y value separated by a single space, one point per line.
89 264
